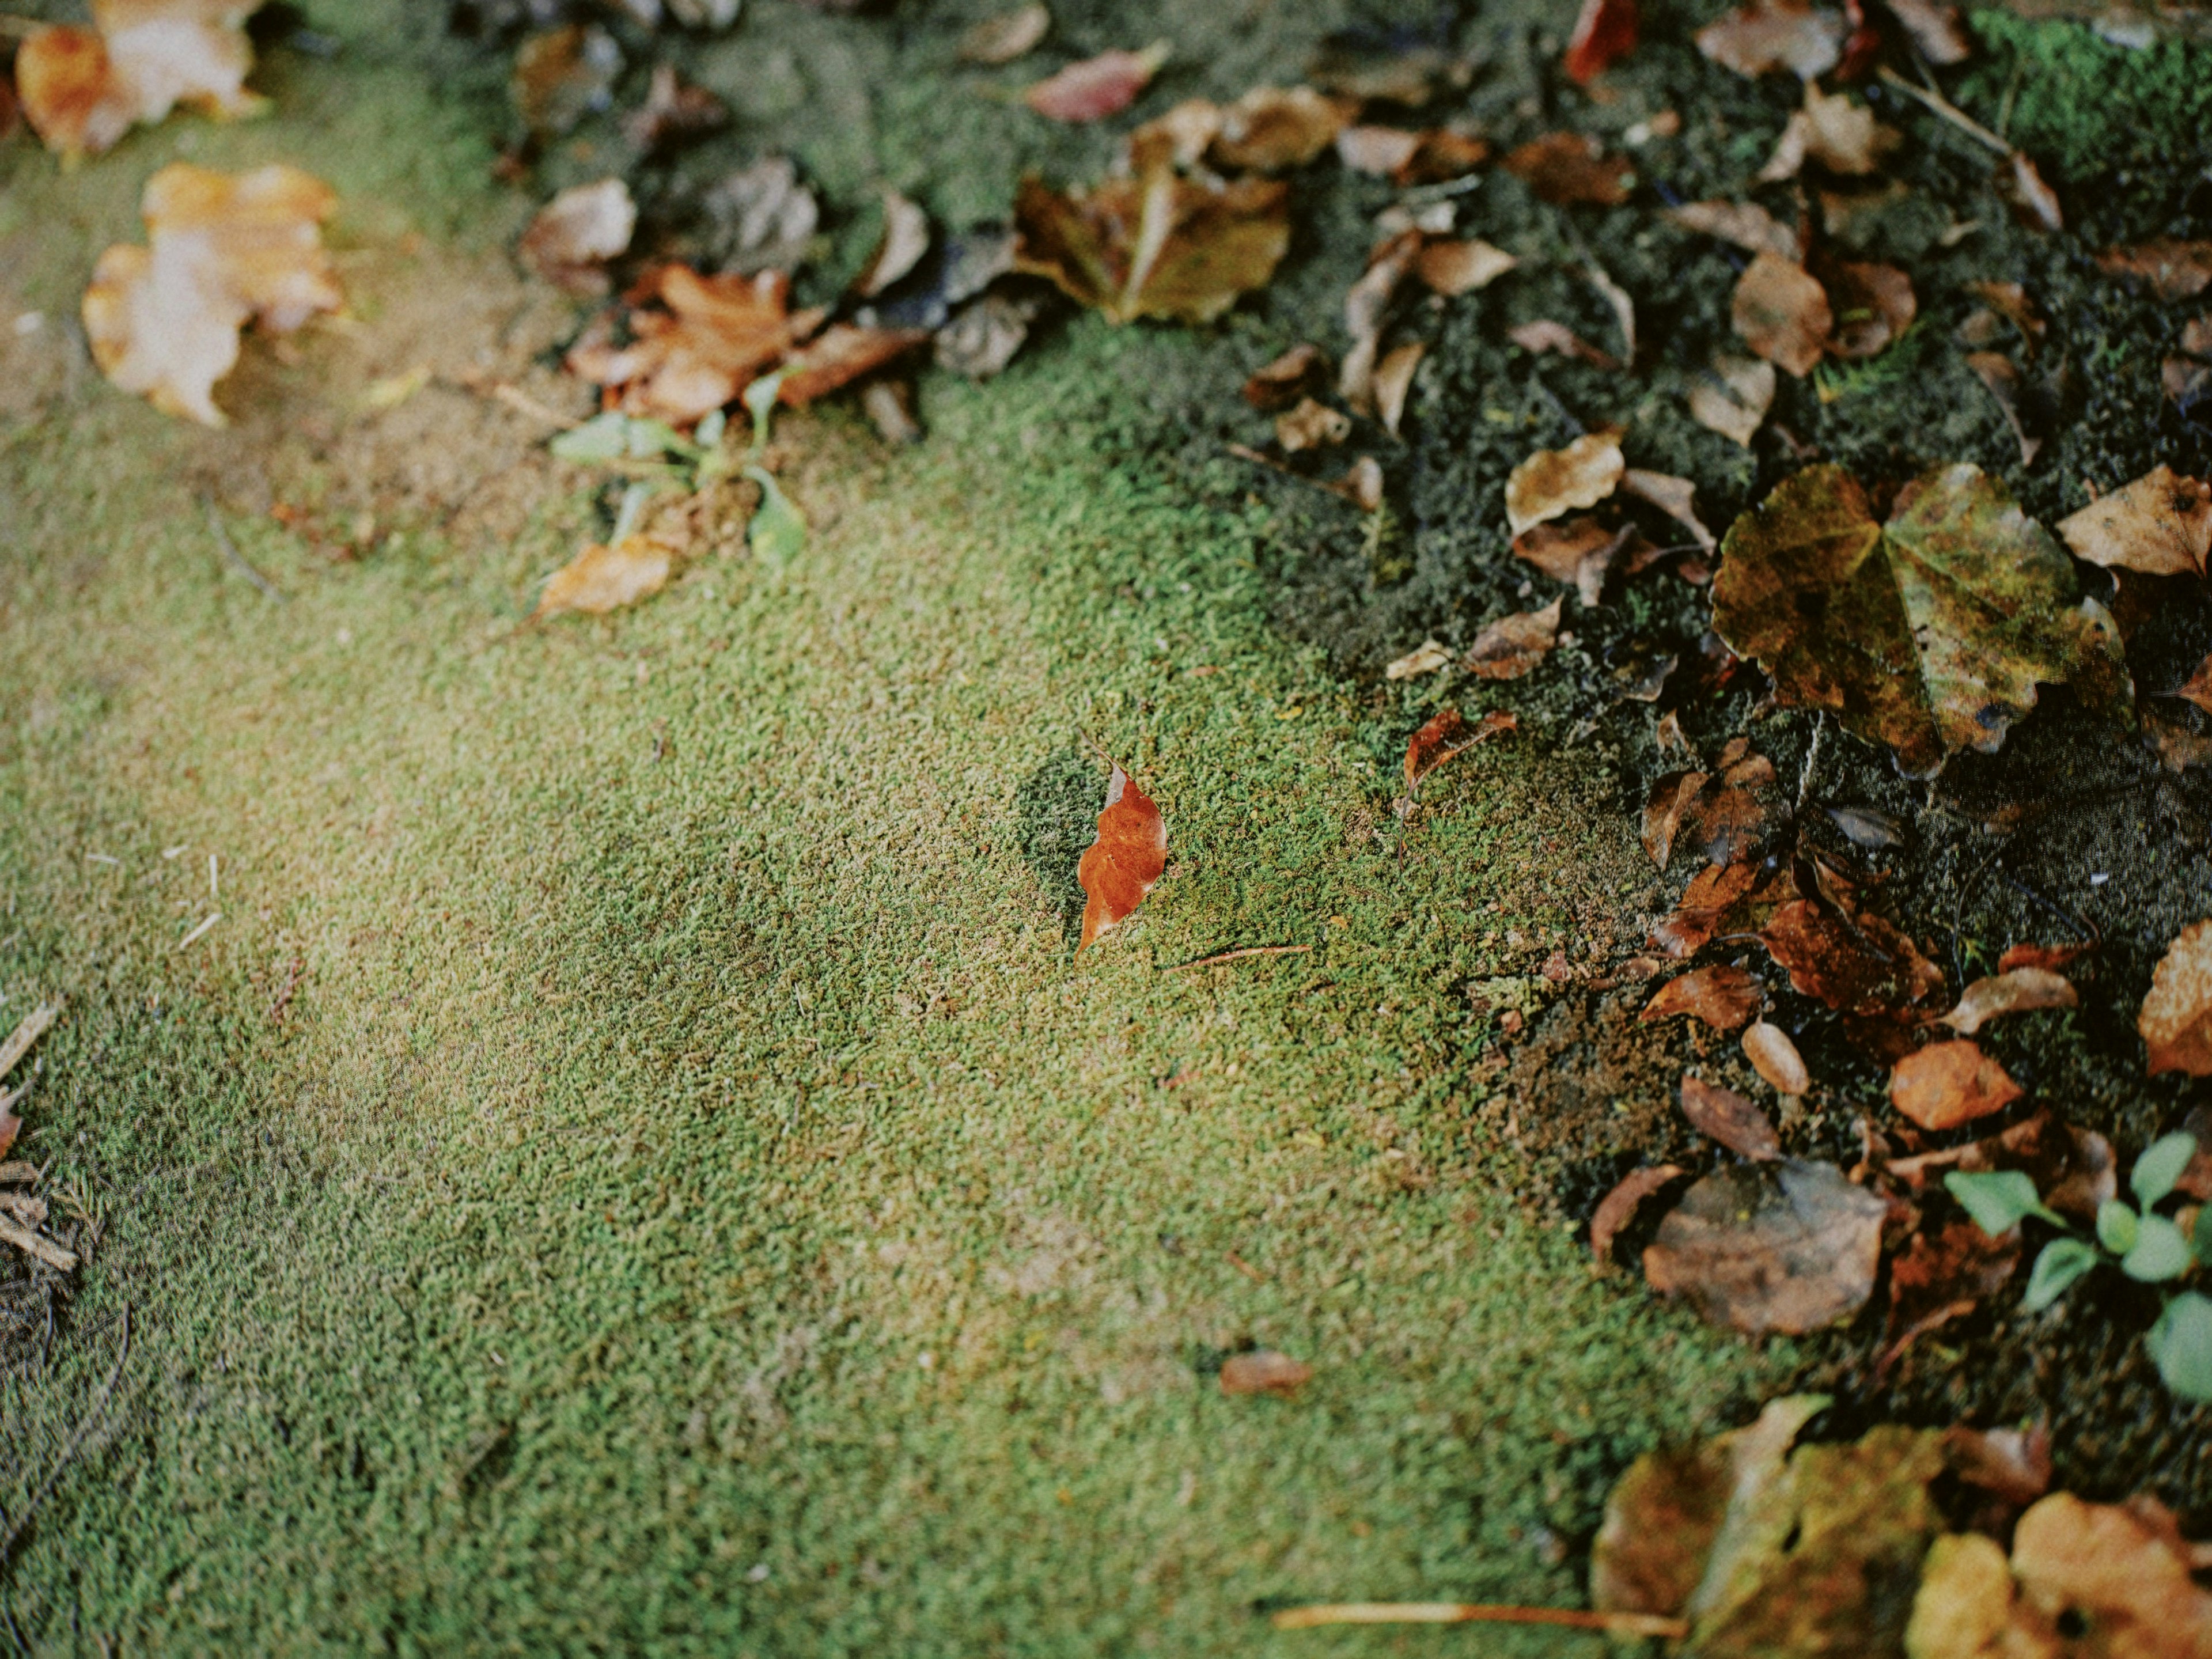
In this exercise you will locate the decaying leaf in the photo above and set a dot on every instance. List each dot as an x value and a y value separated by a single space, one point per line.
2016 990
2176 1018
763 218
906 238
1775 1057
1425 658
1943 1275
1096 87
1311 425
1784 1246
1568 168
2175 269
1273 128
1367 305
2160 526
1158 245
1009 35
1747 224
1453 268
709 338
1757 38
81 90
1997 372
1833 131
1446 733
1729 1118
841 354
1724 814
2012 1465
224 249
1858 963
1782 314
1552 482
575 233
1122 866
1393 382
1279 384
1732 398
1947 1083
1604 33
1710 904
1580 551
1676 497
2071 1168
1438 155
1514 646
1933 629
1263 1371
2120 1570
1725 997
675 111
1545 335
1873 305
563 74
601 578
1619 1208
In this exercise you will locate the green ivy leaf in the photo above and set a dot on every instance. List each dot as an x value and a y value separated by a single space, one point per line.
778 532
2161 1166
2117 1226
1998 1200
2181 1343
2063 1262
2160 1252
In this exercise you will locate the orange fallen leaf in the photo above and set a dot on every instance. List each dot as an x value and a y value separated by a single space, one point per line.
1618 1207
2176 1018
1160 245
1279 384
601 578
1568 168
2159 525
2014 990
1712 897
1124 862
1273 128
1725 997
1552 482
1948 1084
1775 1058
1580 551
840 354
68 89
223 249
1454 268
1729 1118
1782 314
1446 733
1514 646
1859 963
706 340
1438 155
1604 33
1264 1371
83 88
2051 956
1096 87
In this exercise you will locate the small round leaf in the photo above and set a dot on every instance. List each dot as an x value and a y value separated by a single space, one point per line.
2160 1252
2063 1262
2161 1166
2181 1343
2117 1226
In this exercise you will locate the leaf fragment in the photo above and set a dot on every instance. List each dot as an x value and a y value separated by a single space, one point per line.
2121 1570
1604 32
601 577
1729 1118
1126 859
1782 314
1947 1083
1010 34
1786 1246
1446 733
2175 269
1766 35
1280 383
1618 1207
1569 169
2175 1020
1263 1371
2017 990
1732 397
1579 551
1515 645
1725 997
1552 482
1157 245
1096 87
572 236
2159 525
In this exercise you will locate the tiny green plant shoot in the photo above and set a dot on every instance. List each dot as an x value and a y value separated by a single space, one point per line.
2148 1246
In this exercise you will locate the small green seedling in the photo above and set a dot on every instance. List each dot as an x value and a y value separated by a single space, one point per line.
2148 1246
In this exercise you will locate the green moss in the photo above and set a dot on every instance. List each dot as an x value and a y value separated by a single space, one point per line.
2086 107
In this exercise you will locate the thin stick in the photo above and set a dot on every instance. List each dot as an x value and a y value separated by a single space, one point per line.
197 932
1937 104
1238 956
45 1250
68 1452
523 403
230 552
33 1028
1475 1613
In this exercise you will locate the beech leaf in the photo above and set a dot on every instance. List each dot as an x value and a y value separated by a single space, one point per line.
1446 733
1157 245
1618 1207
1775 1058
2160 526
2015 990
1122 866
1729 1118
1552 482
1514 646
1725 997
2176 1018
1947 1083
1787 1246
1782 314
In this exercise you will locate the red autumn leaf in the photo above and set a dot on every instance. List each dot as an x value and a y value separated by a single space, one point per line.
1097 87
2051 957
1446 734
1725 997
1948 1084
1120 866
1860 964
1729 1118
1618 1207
1604 34
840 354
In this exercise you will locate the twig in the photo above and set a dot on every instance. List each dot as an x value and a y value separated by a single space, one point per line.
1936 104
1236 955
1476 1612
68 1452
523 403
230 552
33 1028
1812 761
35 1244
199 931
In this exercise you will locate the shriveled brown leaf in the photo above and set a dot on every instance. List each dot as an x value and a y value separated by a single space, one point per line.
601 578
1277 384
763 217
2177 745
840 354
1942 1275
1767 35
561 74
1579 551
2051 958
905 240
2071 1168
1367 307
675 111
224 249
1552 482
1727 1117
1998 373
1725 997
1123 863
1708 904
1157 245
1009 35
2176 1018
2016 990
2013 1464
1273 128
1747 224
1097 87
575 233
1669 798
1377 151
1834 131
1453 268
1361 484
2119 1570
1723 814
2175 269
1570 168
1732 398
1619 1208
1311 425
1425 658
1514 646
70 92
1935 30
1438 155
1446 733
1858 963
1782 314
1782 1246
1948 1084
1264 1371
706 340
1393 382
1775 1057
1873 305
2032 201
2161 525
1545 335
1676 497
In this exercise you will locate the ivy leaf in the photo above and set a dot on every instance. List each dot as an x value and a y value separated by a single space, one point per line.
2160 1252
2181 1343
1998 1199
2161 1166
1929 633
2063 1262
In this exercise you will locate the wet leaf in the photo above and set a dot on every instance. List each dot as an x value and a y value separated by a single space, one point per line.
575 233
1786 1246
2121 1570
2175 269
1446 733
706 338
1552 482
1775 1058
1727 1117
1782 314
1514 646
1454 268
1767 35
1009 35
1859 963
1604 33
1568 168
1948 1084
224 249
1159 246
1096 87
1724 814
1580 551
2161 525
1725 997
1275 130
1124 862
1747 224
1279 384
1710 905
1874 305
1618 1207
1264 1371
1732 398
2176 1018
601 578
1928 634
2017 990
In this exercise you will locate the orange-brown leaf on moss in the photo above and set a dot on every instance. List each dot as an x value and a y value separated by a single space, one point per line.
697 342
2014 990
1729 1118
2175 269
1619 1208
1275 129
2176 1018
1859 963
1514 646
1948 1084
1782 312
1770 1246
840 354
1096 87
1446 733
1725 997
1160 245
223 249
1568 169
1706 905
1604 33
2159 525
1120 866
1552 482
1453 268
601 578
1873 306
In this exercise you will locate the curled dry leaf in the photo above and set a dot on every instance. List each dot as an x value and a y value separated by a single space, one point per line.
2051 957
2175 269
1274 129
2010 300
2176 1018
1767 35
1619 1208
2160 526
1782 1246
1676 497
1934 628
81 90
1732 398
709 338
840 354
1604 33
1729 1118
2032 201
1858 963
1122 866
1446 733
1279 384
601 578
1833 131
1377 151
1873 304
1096 87
675 111
1580 551
763 218
1725 997
1782 314
1453 268
1311 425
1997 372
1425 658
1775 1058
1264 1371
575 233
1009 35
1948 1084
1367 305
1747 224
2198 688
1568 169
906 238
1552 482
2015 990
1545 335
1394 381
223 249
1514 646
1157 245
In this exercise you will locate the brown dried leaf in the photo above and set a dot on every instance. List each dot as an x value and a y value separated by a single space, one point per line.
1311 425
1394 381
575 233
2050 957
1782 314
710 338
68 89
1619 1208
1009 35
1935 29
1440 154
1367 305
840 354
1670 797
2198 688
2014 991
1544 335
1445 735
2120 1569
1996 371
1725 997
1279 384
2160 526
1580 551
1425 658
1948 1084
906 238
1377 151
1710 900
1514 646
1552 482
1775 1058
82 89
2071 1168
1122 863
763 218
1097 87
1157 245
1734 399
2175 269
2032 201
2176 1018
1178 138
1271 129
1840 135
674 110
1567 168
2014 1464
1783 1246
1454 268
2010 300
1874 305
1727 1117
1747 224
1676 497
223 249
1766 35
1859 963
602 579
1361 484
1264 1371
1942 1275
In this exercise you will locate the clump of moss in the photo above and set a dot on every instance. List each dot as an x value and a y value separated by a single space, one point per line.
2084 106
